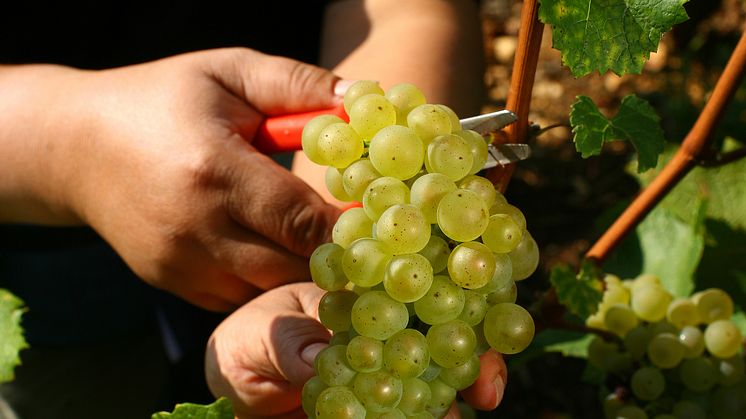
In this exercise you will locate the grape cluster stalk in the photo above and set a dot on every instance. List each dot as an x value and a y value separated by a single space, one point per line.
420 280
674 357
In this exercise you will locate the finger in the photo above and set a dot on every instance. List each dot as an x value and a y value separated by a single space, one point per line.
271 201
271 84
487 391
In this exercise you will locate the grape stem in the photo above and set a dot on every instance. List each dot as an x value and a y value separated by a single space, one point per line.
693 150
521 85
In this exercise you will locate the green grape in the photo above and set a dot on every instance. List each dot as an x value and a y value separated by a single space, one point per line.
502 207
479 150
403 229
665 351
383 193
335 185
481 186
340 145
636 341
389 414
358 89
364 262
326 267
415 396
686 409
451 343
502 234
443 302
310 137
332 367
615 292
450 155
630 412
475 307
427 191
461 376
693 340
508 328
340 338
378 316
682 312
455 122
378 391
365 354
442 395
605 355
502 276
310 394
408 277
506 293
371 113
357 177
462 215
429 121
525 257
611 404
406 354
664 416
650 302
713 304
397 151
648 383
405 97
644 281
353 224
730 371
334 309
436 251
662 327
723 339
620 319
338 403
698 374
471 265
422 415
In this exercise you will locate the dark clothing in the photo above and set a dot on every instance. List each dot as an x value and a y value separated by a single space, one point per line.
89 316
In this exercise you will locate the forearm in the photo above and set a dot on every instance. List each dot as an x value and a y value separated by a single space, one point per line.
38 113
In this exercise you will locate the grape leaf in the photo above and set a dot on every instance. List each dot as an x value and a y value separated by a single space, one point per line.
603 35
566 342
220 409
11 334
636 122
580 293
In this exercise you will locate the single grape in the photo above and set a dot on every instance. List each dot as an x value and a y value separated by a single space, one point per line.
471 265
383 193
310 394
332 367
396 151
443 302
461 376
406 354
525 257
636 341
442 395
502 207
698 374
340 338
427 191
450 155
665 350
405 97
338 402
620 319
378 316
334 309
340 145
650 302
429 121
455 122
415 396
479 149
356 178
502 276
502 234
403 229
713 304
326 267
481 186
475 307
408 277
358 89
693 340
353 224
364 262
462 215
508 328
686 409
648 383
730 370
371 113
723 339
451 343
365 354
682 312
378 391
436 251
310 137
630 412
335 184
506 293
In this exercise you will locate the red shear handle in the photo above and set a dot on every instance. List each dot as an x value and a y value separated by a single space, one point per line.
283 133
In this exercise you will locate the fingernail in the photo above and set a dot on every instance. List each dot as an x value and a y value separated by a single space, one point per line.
341 86
499 389
308 355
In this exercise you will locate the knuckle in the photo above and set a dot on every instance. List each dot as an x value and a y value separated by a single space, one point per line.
306 226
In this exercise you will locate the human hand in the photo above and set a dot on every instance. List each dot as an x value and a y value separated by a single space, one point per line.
157 159
262 354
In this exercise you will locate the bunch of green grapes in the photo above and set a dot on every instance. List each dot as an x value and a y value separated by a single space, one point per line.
420 280
671 357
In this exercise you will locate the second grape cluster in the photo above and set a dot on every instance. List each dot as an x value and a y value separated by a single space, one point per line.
420 280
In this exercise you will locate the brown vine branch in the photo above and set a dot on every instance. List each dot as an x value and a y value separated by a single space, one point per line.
725 158
692 150
521 84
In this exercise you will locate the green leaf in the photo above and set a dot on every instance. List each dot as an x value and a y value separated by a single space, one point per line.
566 342
672 248
603 35
636 122
220 409
11 334
740 320
580 293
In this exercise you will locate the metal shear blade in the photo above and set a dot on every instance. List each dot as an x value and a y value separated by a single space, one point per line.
502 154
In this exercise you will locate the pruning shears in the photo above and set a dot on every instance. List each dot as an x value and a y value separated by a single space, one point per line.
283 133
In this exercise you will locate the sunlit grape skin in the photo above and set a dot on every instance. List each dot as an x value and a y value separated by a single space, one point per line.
378 316
508 328
403 229
471 265
462 215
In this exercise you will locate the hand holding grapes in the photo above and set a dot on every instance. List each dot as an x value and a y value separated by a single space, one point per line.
157 159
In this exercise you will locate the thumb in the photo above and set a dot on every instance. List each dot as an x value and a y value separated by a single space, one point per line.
276 85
